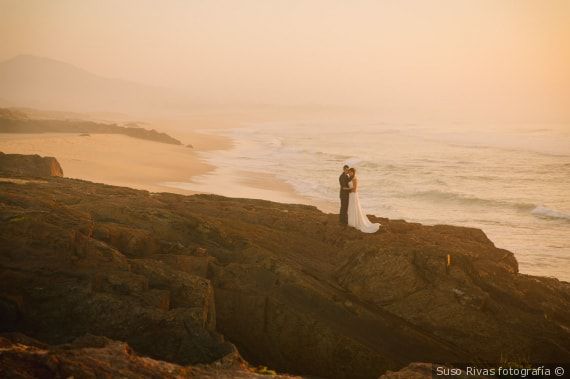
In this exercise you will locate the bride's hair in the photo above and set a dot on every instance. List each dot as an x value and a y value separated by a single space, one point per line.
352 170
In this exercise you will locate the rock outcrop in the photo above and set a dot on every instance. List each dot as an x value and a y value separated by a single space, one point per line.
293 290
29 165
99 357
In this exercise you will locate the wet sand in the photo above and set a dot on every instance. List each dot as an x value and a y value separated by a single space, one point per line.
117 159
152 166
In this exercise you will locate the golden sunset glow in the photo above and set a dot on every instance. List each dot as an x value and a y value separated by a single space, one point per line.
444 59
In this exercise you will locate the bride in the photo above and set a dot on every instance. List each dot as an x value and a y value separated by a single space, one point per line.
356 216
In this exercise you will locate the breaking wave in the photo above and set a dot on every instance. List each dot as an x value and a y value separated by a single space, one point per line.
437 195
542 211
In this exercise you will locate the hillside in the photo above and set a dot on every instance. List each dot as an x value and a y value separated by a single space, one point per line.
185 278
44 83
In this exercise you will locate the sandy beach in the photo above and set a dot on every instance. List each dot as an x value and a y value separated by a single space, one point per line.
156 167
112 159
159 167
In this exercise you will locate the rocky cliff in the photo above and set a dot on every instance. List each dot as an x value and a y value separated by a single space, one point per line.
185 278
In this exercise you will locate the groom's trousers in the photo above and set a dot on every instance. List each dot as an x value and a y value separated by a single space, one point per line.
343 214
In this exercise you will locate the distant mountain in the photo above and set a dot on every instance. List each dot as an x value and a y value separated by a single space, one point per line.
31 81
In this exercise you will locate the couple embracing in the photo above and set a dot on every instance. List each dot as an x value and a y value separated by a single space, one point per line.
351 212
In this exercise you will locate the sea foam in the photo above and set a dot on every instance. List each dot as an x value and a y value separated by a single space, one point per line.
542 211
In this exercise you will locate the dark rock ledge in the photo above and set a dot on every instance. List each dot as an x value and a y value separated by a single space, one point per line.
187 279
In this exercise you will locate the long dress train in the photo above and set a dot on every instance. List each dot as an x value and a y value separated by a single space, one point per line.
356 216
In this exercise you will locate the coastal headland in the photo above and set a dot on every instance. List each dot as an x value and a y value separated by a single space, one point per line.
193 279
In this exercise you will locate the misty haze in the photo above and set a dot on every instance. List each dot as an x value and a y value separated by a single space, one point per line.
333 189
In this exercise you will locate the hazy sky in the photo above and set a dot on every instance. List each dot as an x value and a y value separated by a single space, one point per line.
459 58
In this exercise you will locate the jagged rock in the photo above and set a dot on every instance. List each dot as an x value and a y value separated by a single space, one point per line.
29 165
292 289
99 357
69 283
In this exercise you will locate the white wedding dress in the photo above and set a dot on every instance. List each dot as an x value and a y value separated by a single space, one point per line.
356 216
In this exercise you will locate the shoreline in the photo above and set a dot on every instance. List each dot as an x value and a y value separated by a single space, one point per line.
119 160
162 168
156 167
241 183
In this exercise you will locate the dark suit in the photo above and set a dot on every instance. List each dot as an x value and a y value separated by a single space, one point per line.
343 180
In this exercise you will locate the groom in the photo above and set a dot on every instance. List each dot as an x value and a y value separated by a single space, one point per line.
343 180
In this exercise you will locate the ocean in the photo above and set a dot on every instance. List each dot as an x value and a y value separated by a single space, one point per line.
511 181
